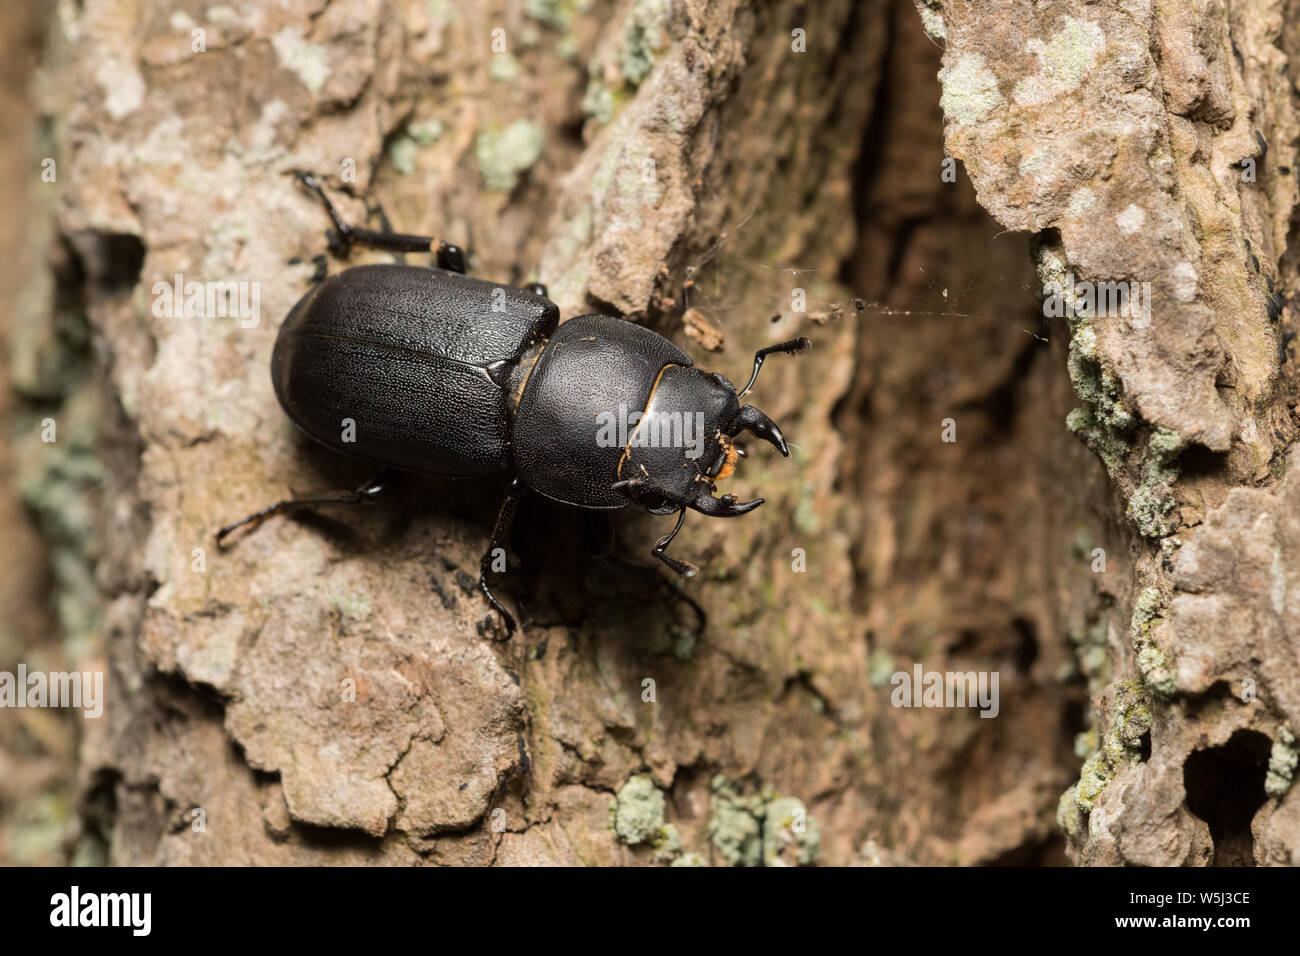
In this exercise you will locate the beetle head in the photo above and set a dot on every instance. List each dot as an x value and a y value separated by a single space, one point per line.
704 410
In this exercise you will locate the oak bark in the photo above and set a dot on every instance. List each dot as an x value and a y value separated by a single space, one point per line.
323 691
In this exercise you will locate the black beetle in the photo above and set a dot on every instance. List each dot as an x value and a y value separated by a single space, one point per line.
443 374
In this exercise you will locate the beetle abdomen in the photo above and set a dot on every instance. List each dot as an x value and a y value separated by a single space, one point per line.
594 368
389 363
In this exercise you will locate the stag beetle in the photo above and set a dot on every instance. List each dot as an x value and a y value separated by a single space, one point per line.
449 375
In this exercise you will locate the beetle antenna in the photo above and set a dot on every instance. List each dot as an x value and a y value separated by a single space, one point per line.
793 347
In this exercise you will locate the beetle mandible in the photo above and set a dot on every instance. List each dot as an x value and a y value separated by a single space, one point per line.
449 375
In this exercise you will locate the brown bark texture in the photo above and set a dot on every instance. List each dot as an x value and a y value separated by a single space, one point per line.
1092 502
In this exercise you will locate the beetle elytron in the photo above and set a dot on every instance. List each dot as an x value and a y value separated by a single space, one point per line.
449 375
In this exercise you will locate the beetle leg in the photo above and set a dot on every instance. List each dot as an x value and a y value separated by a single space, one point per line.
365 493
385 224
505 517
684 568
449 257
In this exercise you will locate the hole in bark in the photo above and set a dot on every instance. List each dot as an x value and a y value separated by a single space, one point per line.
99 811
966 641
1026 643
1199 460
112 260
1075 713
1049 851
1049 238
1225 786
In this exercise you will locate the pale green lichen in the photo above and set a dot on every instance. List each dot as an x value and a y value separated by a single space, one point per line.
1104 422
667 844
637 813
1120 747
789 834
504 68
645 34
735 827
1152 663
1097 386
761 829
306 60
123 85
551 12
556 14
58 480
1282 761
401 155
504 155
598 103
1090 653
970 90
880 668
1064 62
355 605
566 48
1086 743
403 151
426 132
55 434
1153 499
1080 547
39 829
805 512
932 22
441 12
1068 815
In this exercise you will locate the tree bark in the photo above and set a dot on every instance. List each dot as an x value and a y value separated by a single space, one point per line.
323 690
1155 144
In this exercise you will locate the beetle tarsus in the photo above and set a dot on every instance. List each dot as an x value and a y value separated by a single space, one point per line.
683 568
